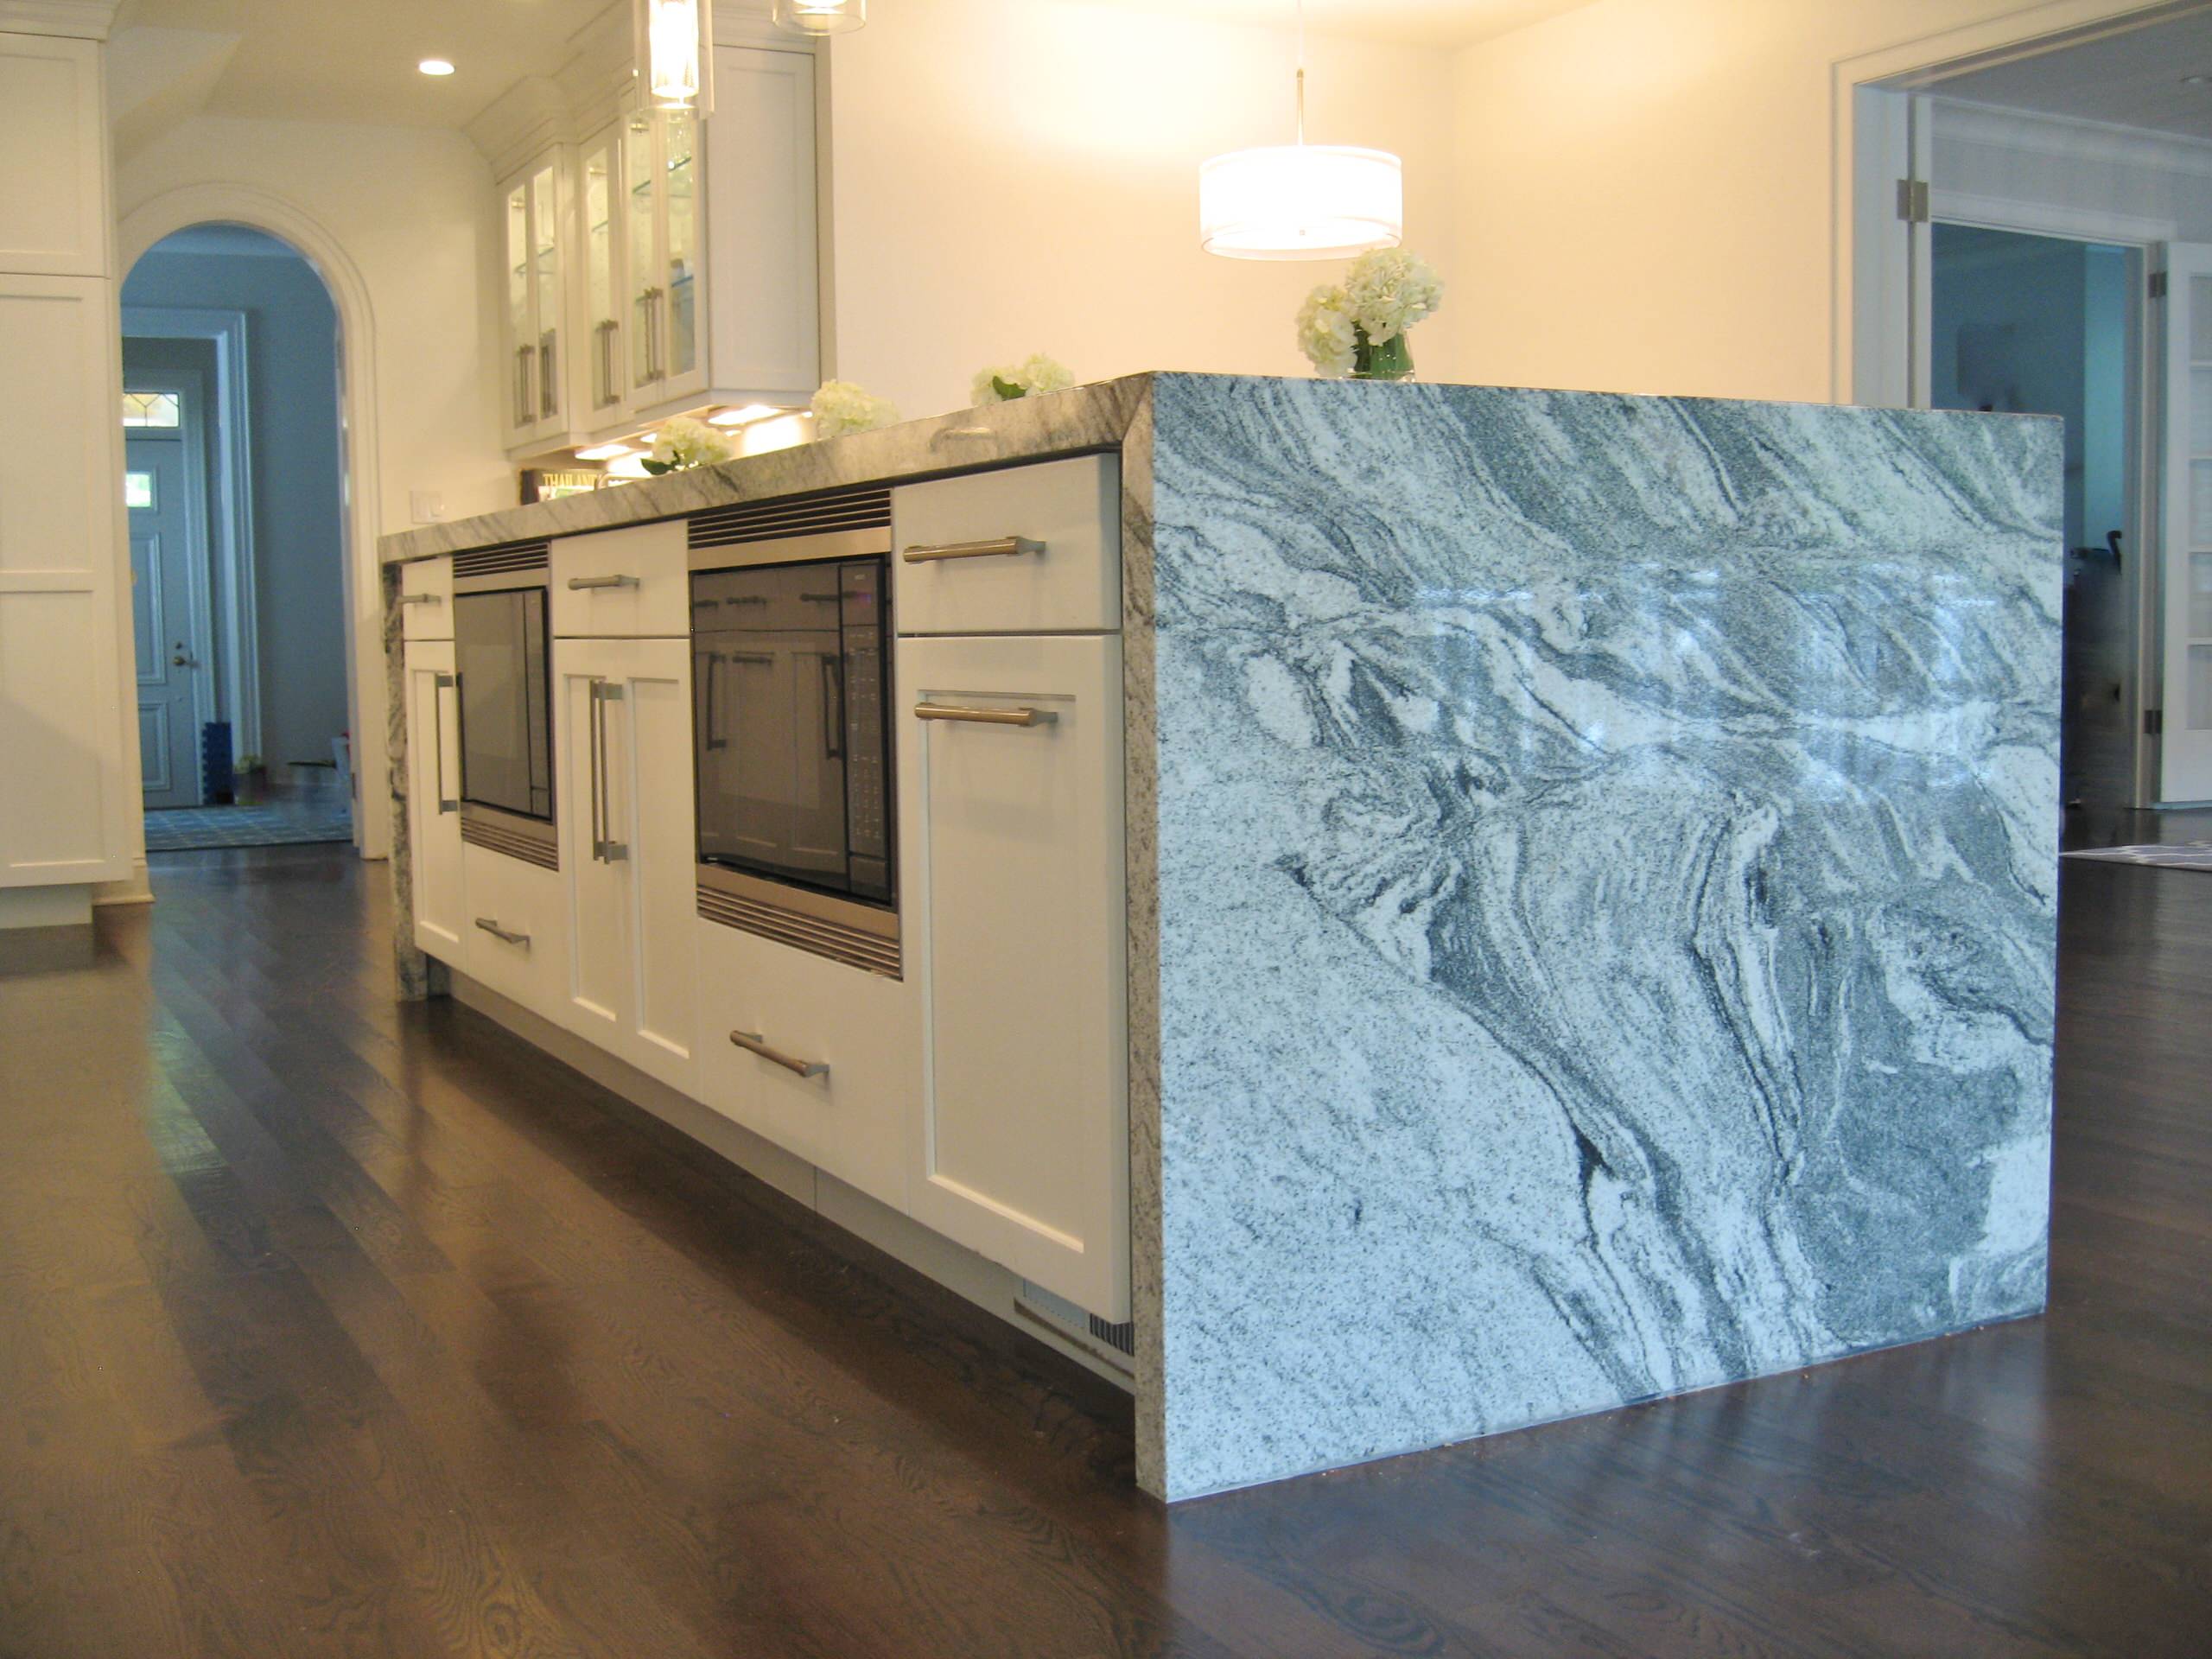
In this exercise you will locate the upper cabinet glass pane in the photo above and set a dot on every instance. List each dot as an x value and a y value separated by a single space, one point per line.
150 409
600 190
681 130
545 268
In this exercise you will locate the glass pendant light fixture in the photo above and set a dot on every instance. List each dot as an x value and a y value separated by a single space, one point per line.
819 17
1301 200
675 53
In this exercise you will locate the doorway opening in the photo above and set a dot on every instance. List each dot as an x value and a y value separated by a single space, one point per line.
2027 222
235 496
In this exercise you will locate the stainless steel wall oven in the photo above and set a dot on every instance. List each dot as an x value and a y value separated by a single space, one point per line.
503 657
791 642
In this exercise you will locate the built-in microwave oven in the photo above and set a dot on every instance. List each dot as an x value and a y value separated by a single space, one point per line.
791 642
503 639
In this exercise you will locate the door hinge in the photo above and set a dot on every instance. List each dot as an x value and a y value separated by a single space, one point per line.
1912 200
2154 722
2158 284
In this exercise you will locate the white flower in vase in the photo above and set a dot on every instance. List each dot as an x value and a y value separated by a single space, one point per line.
1035 373
1326 333
1360 327
841 407
684 442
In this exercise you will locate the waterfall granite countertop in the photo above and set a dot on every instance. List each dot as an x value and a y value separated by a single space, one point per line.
1592 881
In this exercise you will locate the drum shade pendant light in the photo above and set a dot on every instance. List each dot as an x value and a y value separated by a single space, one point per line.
1301 200
819 17
675 53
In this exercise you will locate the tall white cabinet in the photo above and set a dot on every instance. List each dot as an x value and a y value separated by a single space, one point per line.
69 811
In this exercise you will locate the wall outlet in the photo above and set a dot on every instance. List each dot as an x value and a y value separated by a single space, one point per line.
428 506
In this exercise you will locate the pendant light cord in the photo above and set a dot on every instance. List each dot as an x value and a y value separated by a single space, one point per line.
1301 71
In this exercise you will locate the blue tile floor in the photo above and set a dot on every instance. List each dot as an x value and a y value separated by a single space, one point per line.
270 823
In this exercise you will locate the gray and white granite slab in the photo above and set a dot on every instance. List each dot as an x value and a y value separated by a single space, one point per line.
1592 870
1607 861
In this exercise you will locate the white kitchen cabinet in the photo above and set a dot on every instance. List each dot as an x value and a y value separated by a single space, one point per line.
532 220
516 938
833 1070
1026 550
623 726
1011 758
54 213
426 600
433 711
603 392
629 583
720 241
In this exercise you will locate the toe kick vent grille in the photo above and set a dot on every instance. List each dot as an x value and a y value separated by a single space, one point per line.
815 934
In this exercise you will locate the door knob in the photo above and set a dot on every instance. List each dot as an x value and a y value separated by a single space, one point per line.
180 658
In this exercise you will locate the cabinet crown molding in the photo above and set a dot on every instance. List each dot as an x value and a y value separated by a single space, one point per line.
521 122
83 20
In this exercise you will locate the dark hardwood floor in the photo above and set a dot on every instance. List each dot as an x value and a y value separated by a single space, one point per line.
330 1326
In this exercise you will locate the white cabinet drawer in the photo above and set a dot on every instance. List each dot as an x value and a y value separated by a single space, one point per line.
426 600
852 1117
618 584
516 940
1015 886
1030 549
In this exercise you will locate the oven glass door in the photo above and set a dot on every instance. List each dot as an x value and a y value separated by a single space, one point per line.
506 702
787 664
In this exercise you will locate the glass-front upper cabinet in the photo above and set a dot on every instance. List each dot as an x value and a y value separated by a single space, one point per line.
600 196
532 231
667 286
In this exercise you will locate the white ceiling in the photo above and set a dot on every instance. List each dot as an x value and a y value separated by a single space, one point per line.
1407 22
354 60
2129 80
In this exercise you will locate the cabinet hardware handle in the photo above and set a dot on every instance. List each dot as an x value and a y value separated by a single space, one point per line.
1000 548
751 1043
708 723
442 683
422 599
833 707
549 380
502 934
585 584
985 717
525 399
605 393
604 847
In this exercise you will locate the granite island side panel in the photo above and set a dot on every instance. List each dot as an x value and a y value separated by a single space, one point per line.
1607 894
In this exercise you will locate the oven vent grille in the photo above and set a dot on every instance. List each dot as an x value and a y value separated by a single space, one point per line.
496 838
815 934
500 560
764 521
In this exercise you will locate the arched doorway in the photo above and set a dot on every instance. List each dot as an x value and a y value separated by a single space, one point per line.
209 222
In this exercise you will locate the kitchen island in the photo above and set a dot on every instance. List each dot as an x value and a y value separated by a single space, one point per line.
1591 868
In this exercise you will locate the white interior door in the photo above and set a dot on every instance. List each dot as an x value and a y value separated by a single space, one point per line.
162 631
2185 746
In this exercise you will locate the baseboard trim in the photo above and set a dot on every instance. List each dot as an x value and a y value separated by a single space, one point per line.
973 1278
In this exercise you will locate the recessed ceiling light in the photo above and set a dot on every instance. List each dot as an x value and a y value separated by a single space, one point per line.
435 66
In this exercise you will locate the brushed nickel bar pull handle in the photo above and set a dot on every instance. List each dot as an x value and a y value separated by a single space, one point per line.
985 717
442 683
500 933
751 1043
591 764
585 584
1000 547
422 599
605 848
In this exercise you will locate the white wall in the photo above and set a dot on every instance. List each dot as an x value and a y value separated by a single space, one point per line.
1020 175
410 208
1646 187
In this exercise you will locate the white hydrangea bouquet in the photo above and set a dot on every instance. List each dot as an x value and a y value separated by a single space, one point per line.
1359 327
684 442
1004 382
841 407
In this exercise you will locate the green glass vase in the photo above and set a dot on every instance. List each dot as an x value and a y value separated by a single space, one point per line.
1391 360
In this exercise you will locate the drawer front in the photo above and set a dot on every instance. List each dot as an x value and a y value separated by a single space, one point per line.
426 600
850 1117
623 584
1053 560
526 958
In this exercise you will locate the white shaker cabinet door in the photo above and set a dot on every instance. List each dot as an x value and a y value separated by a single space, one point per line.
623 724
1012 749
434 799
